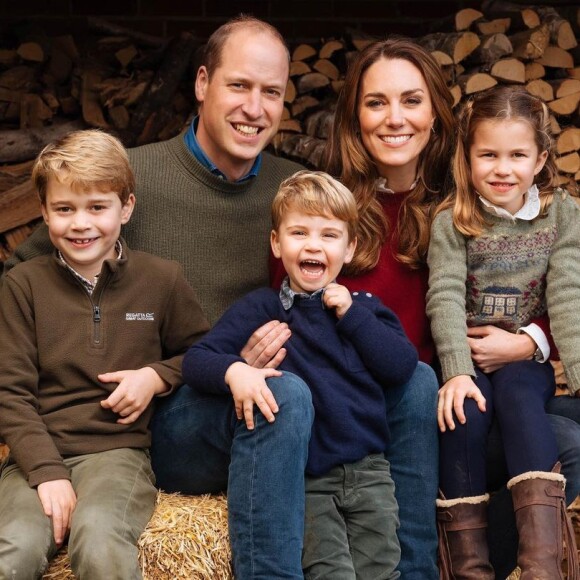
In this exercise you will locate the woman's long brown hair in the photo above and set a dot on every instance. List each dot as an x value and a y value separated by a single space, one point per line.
347 159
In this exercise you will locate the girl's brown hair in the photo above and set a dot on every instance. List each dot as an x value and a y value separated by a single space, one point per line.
497 104
347 158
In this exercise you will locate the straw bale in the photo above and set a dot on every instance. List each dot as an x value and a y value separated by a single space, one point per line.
187 537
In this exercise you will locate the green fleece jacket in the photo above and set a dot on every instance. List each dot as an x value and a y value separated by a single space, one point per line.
55 338
218 230
513 272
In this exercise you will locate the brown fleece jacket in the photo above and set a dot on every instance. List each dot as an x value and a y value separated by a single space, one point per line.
55 339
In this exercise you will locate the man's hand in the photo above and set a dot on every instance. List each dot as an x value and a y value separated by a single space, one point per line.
58 501
492 347
264 348
134 392
248 387
451 398
337 297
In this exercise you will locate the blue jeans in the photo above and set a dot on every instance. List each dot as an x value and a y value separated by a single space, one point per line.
414 458
199 446
502 532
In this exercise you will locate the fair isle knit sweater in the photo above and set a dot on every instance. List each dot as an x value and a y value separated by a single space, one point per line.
512 273
218 230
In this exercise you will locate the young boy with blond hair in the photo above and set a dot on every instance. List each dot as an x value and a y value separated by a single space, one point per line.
88 335
348 348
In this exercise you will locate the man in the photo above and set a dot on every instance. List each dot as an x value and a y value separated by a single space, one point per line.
204 200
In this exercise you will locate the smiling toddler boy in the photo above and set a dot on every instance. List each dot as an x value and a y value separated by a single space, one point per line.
88 337
348 348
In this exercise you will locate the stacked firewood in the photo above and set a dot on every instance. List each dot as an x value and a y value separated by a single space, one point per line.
503 43
140 87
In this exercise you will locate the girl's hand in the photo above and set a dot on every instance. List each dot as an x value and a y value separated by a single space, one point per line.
492 347
337 297
451 397
249 388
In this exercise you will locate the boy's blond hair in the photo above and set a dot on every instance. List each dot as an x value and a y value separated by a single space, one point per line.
318 194
85 160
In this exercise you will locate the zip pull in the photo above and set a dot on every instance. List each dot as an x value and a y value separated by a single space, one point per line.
96 314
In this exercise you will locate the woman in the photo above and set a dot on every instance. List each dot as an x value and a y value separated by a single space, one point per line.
391 144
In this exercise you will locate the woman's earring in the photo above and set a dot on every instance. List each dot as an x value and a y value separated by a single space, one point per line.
433 128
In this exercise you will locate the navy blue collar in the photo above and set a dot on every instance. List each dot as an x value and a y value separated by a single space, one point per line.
195 148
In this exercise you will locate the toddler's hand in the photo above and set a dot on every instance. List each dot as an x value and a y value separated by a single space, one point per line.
451 398
58 501
248 387
134 392
337 297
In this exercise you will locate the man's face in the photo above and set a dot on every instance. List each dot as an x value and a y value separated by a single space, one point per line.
242 102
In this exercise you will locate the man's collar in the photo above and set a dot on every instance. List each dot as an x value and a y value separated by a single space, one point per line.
195 148
287 295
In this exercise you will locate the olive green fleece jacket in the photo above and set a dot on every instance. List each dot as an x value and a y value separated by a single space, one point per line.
55 338
513 272
218 230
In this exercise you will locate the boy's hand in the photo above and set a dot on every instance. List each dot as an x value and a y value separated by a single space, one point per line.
337 297
134 392
58 500
248 387
264 347
451 397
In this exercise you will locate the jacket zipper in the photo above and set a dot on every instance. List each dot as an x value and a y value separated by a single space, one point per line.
96 324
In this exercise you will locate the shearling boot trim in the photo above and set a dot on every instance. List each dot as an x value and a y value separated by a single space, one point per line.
474 499
548 475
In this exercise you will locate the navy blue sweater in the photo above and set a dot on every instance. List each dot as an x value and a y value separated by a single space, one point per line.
346 363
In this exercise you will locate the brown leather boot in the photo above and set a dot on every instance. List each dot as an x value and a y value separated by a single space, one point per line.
463 552
543 525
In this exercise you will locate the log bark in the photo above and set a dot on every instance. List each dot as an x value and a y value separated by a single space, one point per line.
146 122
18 206
492 48
458 46
561 33
102 25
530 44
17 146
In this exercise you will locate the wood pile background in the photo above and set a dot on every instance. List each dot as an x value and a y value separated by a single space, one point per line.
140 87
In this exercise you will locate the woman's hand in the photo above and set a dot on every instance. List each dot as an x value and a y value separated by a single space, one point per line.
492 347
451 398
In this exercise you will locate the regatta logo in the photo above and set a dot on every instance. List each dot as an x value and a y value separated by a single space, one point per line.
139 316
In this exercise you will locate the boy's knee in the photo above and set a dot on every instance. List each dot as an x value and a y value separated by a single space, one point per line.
416 399
22 556
294 399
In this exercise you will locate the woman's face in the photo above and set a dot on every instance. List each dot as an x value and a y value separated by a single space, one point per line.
395 116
